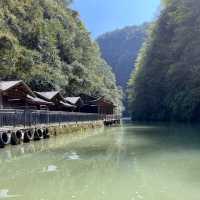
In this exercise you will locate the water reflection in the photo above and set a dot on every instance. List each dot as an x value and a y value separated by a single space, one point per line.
13 152
131 162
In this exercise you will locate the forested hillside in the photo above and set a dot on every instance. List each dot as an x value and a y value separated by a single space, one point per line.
120 48
166 82
44 43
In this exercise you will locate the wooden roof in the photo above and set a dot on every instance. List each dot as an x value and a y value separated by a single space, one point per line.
38 100
91 100
87 98
8 85
97 100
72 100
5 85
103 101
67 105
48 95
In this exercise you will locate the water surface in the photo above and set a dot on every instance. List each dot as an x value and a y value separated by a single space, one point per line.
132 162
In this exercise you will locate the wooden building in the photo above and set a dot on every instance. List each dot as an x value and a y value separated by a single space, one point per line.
96 105
103 106
18 95
39 103
59 101
76 101
87 98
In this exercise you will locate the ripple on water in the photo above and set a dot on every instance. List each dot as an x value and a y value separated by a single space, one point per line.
71 156
50 168
4 194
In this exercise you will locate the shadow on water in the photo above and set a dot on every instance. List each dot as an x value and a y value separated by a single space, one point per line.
129 140
186 136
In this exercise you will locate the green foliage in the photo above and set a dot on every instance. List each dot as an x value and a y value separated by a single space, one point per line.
166 83
120 48
44 43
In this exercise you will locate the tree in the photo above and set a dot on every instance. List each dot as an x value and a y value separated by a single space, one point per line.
166 81
45 43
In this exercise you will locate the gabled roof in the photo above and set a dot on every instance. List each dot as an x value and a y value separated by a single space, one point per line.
97 99
86 97
67 105
93 100
7 85
72 100
48 95
38 100
103 100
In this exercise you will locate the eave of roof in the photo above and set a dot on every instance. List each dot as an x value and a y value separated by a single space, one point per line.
72 100
67 105
103 100
48 95
7 85
96 100
38 100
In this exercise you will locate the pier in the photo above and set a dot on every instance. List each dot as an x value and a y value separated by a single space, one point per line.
27 125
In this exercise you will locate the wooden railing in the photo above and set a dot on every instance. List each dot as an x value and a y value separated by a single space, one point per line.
26 118
32 117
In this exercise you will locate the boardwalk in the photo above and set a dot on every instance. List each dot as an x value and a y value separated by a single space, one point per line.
12 119
28 118
27 125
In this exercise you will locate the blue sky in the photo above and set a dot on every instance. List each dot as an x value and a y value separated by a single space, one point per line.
106 15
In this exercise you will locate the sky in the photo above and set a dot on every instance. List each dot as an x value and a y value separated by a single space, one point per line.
102 16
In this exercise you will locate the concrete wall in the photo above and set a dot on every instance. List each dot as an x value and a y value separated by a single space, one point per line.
75 127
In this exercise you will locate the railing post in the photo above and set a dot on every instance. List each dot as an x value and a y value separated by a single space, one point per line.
14 118
30 118
47 115
48 118
24 118
1 101
0 120
59 118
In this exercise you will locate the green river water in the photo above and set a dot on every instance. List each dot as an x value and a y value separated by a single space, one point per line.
131 162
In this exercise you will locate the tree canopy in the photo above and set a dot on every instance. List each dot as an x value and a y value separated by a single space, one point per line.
45 43
166 83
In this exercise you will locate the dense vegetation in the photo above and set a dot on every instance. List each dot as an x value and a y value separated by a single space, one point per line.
166 82
44 43
120 49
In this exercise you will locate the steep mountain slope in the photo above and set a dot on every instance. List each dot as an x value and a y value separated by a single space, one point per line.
120 48
166 82
44 43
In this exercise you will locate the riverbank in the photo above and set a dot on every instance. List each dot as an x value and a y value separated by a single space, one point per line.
18 126
74 127
18 135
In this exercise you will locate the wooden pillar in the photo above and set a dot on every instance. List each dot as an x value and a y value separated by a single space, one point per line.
1 101
99 111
